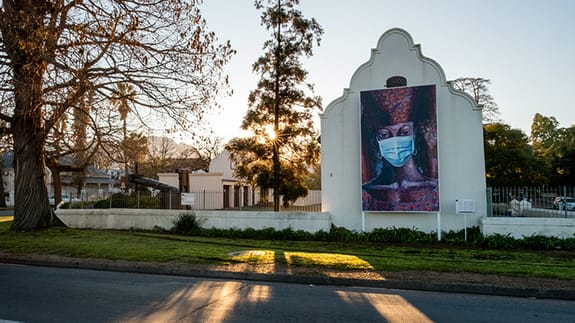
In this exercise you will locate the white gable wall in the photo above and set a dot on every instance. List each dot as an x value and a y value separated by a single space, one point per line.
223 164
460 142
211 182
171 179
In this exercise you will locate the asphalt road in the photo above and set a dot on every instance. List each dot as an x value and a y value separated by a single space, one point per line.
6 213
46 294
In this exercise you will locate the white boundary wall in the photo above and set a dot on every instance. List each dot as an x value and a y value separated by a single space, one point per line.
519 227
125 219
460 142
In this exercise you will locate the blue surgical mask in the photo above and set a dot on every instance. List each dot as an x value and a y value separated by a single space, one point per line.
396 150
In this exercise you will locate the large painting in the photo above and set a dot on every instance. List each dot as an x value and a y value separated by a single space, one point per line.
399 167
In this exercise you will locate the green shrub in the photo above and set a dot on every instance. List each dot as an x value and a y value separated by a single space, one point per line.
474 236
301 235
251 233
187 224
159 229
147 202
264 234
568 244
321 236
382 235
500 241
539 242
102 204
119 200
400 235
341 234
453 237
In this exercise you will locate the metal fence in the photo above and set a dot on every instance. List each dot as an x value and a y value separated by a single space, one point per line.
545 201
238 200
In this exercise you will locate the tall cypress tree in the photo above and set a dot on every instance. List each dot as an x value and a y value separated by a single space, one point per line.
281 108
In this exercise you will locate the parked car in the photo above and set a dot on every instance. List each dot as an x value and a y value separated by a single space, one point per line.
564 203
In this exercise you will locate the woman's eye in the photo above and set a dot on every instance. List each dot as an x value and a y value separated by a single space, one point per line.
404 131
383 135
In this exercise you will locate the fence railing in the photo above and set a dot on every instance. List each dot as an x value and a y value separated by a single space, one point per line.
238 200
543 201
546 201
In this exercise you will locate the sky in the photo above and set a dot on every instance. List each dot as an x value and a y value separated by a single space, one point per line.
525 47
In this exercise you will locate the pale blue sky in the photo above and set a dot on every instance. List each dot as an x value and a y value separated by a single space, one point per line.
525 47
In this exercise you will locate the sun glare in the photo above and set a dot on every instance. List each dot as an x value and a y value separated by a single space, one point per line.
393 308
270 132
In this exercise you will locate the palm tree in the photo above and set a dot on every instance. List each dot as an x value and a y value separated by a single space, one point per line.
125 93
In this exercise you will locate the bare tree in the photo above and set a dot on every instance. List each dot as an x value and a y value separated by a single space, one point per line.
54 52
67 146
478 88
161 152
209 148
165 155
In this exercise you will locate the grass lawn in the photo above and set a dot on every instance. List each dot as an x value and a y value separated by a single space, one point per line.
160 247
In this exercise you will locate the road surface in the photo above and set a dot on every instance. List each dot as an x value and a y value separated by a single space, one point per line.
44 294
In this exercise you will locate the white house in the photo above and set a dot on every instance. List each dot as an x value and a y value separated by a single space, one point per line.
217 189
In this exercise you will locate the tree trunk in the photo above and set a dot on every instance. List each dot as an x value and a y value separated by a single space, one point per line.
56 182
31 207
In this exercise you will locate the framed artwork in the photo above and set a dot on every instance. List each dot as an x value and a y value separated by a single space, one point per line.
399 163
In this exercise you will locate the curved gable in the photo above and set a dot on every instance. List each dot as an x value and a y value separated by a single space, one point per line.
396 54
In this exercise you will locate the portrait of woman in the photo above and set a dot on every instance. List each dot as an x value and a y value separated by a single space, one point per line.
399 149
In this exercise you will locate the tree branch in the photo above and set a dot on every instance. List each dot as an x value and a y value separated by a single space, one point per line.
5 117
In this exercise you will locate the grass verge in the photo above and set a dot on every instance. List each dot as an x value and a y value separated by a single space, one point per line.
162 247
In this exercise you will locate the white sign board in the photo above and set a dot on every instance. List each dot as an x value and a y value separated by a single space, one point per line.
464 206
188 199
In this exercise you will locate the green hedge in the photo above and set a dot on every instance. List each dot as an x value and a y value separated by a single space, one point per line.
189 224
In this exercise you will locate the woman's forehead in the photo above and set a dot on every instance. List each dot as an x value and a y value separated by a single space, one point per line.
398 126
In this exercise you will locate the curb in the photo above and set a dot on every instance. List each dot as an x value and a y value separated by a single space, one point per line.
164 269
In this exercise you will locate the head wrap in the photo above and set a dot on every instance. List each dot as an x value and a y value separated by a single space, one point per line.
397 102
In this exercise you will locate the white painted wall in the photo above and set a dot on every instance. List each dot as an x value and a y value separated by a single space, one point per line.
125 219
171 179
206 181
519 227
222 164
460 140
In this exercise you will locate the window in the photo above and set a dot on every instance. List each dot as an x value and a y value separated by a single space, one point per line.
396 81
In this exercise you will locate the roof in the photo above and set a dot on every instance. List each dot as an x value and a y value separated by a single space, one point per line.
93 174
